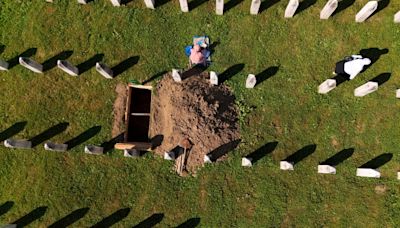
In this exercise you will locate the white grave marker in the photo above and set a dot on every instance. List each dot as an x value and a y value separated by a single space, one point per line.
104 70
67 67
291 8
366 11
4 65
398 93
207 159
31 65
255 6
327 86
213 78
149 4
184 6
398 175
131 153
55 147
365 89
326 169
328 9
169 156
397 17
219 7
18 143
285 165
246 162
83 2
366 172
251 81
116 2
96 150
176 75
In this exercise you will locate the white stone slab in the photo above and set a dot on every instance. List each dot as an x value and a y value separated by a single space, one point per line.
213 78
327 86
207 159
251 81
4 65
149 4
285 165
366 11
18 143
184 6
31 65
68 68
104 70
169 156
366 172
397 17
326 169
328 9
246 162
398 93
116 2
365 89
219 7
55 147
398 175
131 153
176 75
97 150
255 6
83 2
291 8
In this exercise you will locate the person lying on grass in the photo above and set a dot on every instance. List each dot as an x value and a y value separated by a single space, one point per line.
351 66
198 55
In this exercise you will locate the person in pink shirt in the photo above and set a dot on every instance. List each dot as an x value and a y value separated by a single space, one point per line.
197 55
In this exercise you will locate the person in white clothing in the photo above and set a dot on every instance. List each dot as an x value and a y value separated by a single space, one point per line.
351 66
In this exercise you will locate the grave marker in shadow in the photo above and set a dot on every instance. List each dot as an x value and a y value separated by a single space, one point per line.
71 218
292 160
260 153
113 218
30 217
5 207
83 137
27 53
13 130
150 221
52 62
369 169
221 151
190 223
266 74
230 72
85 66
49 133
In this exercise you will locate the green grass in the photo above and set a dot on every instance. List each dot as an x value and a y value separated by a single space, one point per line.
286 109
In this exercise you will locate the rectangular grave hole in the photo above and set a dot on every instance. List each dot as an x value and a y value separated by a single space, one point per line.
138 129
140 100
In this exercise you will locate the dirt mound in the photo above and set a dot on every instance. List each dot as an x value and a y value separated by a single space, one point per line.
194 109
119 110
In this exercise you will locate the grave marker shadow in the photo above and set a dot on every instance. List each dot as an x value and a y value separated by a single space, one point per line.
344 4
230 72
125 65
150 221
30 217
52 62
305 4
71 218
230 4
88 64
5 207
190 223
109 145
266 4
223 149
262 151
156 141
154 77
382 78
13 130
83 137
339 157
49 133
301 154
373 54
27 53
195 3
382 4
266 74
378 161
113 218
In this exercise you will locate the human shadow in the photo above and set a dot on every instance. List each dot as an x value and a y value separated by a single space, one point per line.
382 4
305 4
71 218
190 223
378 161
156 141
344 4
195 70
266 4
124 65
109 145
52 62
262 152
154 77
301 154
212 47
5 207
160 3
30 217
382 78
88 64
150 221
339 157
13 130
83 137
196 3
230 4
124 2
49 133
266 74
230 72
373 54
113 218
15 60
223 149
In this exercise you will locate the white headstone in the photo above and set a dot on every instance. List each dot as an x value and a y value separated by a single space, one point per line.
104 70
169 156
176 75
398 175
285 165
327 86
97 150
116 2
246 162
55 147
31 65
328 9
326 169
397 17
366 172
184 6
207 159
365 89
251 81
219 7
291 8
398 93
149 4
366 11
213 78
68 68
84 2
3 65
131 153
18 143
255 6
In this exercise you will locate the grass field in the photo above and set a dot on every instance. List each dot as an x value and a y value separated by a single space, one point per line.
38 187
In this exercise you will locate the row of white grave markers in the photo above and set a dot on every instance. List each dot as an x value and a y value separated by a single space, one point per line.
251 80
360 91
64 65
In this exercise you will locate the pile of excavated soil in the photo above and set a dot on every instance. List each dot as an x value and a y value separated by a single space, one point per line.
194 109
119 110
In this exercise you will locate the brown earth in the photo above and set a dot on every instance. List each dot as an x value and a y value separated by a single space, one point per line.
119 110
194 109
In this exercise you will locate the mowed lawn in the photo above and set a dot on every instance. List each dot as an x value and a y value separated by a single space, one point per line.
39 188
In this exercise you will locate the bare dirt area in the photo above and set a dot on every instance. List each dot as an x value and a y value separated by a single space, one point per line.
119 110
195 110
